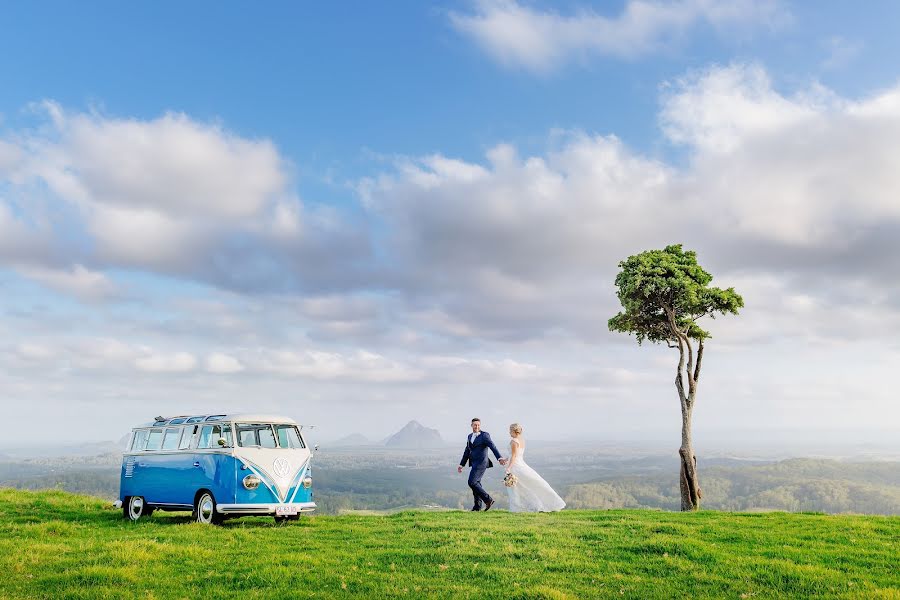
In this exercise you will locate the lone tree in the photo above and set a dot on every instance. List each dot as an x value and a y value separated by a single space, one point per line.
664 294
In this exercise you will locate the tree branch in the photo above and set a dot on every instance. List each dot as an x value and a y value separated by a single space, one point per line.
679 381
692 388
699 360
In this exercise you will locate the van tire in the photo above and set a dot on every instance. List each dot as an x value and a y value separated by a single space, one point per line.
205 509
134 508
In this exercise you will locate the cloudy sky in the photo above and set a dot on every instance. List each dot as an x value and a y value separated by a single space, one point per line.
359 214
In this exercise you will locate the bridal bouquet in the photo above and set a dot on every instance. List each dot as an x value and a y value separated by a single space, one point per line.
510 480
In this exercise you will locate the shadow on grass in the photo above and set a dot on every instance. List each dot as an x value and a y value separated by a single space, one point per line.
185 518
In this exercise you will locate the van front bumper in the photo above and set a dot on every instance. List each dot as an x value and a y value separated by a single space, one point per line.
262 509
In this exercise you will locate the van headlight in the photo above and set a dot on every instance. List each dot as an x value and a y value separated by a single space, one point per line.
307 482
251 482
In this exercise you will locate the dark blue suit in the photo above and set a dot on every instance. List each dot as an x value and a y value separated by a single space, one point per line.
476 455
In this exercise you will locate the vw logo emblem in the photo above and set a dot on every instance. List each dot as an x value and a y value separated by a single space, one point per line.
281 467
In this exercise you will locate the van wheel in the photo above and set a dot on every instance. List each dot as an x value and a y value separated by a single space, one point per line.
135 508
205 510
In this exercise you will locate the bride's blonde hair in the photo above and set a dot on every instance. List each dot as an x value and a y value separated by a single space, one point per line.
516 428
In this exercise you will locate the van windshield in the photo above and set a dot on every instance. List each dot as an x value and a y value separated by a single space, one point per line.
289 437
256 434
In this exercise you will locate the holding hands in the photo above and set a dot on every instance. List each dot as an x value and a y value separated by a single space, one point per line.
502 461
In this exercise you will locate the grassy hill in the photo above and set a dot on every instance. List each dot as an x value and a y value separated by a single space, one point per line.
61 545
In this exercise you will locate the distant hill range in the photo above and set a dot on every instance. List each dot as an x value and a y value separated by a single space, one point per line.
87 449
354 439
415 435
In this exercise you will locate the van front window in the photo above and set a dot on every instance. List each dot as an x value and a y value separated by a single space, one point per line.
289 437
256 435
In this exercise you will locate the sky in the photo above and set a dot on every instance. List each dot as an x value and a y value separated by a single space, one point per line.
358 214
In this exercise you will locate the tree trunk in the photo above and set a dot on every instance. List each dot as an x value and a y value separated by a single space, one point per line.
690 483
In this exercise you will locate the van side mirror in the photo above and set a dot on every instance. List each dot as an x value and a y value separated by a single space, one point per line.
223 442
316 448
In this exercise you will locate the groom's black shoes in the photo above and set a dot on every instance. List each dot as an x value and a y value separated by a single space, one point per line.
488 505
476 508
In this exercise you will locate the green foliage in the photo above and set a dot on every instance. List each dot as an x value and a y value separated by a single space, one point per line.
59 545
660 287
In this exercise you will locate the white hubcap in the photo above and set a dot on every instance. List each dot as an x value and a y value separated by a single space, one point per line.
135 508
205 509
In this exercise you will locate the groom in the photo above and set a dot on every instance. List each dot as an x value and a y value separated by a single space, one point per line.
476 455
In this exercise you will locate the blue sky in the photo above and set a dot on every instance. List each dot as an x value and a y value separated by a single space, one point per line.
328 83
402 210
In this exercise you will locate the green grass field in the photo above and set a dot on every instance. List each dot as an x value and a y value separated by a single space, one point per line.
60 545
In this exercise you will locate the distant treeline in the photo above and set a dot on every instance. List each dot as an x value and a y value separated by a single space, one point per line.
793 485
385 482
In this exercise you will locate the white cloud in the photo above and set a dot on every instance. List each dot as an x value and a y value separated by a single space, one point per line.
469 370
811 170
223 364
526 247
87 285
518 35
169 195
35 352
178 362
146 238
359 366
102 353
10 156
171 164
719 108
494 277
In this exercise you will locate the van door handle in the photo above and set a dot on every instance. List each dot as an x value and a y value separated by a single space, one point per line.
196 464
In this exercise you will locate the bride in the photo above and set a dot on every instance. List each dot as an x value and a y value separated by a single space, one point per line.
530 492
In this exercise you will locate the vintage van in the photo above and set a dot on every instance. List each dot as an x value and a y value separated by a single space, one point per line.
217 466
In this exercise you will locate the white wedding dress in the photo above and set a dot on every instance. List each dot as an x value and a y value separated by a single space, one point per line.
531 493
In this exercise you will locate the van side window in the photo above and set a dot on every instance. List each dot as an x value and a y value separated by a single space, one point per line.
206 437
170 441
289 437
209 436
187 434
140 440
225 432
154 439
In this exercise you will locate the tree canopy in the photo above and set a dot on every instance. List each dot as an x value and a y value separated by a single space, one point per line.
664 293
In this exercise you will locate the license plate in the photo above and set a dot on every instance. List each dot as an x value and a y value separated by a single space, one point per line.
283 511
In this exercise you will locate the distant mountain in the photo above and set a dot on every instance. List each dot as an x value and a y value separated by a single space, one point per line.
354 439
86 449
415 435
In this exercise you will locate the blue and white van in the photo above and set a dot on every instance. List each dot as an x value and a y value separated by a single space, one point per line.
217 466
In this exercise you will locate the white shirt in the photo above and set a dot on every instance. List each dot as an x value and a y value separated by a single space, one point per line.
474 436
